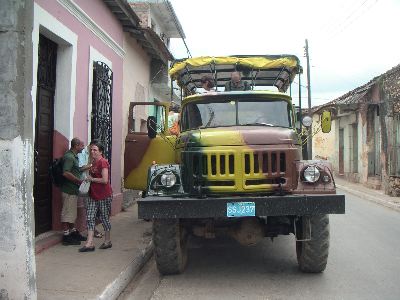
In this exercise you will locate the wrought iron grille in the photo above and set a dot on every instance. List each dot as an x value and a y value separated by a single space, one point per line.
102 106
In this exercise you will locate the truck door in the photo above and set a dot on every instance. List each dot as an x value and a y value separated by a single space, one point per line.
140 150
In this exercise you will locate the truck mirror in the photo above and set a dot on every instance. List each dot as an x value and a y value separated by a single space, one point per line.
326 121
151 127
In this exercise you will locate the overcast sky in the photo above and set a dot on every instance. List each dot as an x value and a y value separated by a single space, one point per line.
350 41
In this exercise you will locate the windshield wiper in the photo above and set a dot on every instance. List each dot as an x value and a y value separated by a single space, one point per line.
257 124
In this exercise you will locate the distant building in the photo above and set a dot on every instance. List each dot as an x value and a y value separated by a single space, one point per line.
365 142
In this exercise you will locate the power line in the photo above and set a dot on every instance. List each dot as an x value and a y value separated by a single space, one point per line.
303 86
343 26
331 25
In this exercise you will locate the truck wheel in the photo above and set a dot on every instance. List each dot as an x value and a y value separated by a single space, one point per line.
312 255
170 244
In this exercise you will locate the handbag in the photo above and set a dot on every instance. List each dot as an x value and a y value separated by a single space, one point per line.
84 189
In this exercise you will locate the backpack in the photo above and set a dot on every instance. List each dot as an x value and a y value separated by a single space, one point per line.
56 172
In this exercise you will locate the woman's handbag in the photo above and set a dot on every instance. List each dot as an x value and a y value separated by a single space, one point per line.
84 189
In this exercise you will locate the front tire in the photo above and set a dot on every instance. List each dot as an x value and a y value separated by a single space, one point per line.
170 245
312 256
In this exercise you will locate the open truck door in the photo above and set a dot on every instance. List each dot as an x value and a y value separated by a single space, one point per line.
148 141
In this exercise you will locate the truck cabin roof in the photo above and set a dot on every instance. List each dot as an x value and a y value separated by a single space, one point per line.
259 71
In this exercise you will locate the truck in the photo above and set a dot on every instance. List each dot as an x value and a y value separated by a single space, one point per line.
236 167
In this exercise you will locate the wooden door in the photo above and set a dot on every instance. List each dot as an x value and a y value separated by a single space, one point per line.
46 78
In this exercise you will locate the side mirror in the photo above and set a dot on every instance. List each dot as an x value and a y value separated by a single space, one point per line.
151 127
326 121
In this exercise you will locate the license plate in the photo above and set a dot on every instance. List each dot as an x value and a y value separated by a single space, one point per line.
240 209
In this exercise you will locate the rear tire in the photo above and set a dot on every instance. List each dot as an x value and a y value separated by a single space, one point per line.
170 245
312 256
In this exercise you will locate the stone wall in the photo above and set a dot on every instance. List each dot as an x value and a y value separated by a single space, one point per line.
17 263
393 186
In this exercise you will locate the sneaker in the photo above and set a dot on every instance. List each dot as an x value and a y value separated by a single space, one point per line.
69 240
77 236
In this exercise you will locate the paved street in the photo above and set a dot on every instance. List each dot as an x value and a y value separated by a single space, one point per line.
364 263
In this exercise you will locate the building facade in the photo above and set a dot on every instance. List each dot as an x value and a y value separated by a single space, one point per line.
366 132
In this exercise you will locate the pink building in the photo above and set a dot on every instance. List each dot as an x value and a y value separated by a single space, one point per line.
82 49
78 58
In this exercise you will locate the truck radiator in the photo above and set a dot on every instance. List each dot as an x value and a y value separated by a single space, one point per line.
230 171
214 164
269 163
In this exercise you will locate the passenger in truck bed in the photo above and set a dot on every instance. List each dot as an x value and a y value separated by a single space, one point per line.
236 83
207 83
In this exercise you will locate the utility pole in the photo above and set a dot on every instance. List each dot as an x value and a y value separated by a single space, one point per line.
309 139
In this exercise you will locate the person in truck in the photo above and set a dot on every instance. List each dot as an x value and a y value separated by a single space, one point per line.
236 83
207 83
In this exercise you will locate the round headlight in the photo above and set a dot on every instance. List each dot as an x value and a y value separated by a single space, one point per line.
168 179
311 174
307 121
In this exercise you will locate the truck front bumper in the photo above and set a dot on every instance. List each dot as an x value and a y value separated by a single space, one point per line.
296 205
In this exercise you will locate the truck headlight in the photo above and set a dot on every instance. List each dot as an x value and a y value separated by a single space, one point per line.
168 179
311 174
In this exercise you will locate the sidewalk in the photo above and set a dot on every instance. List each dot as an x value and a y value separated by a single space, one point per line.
64 273
377 196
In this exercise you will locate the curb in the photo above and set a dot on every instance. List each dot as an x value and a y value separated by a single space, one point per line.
115 288
369 197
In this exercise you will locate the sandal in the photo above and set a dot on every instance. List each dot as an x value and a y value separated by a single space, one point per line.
87 249
105 245
98 234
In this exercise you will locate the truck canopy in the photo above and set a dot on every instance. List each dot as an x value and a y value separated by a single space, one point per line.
261 70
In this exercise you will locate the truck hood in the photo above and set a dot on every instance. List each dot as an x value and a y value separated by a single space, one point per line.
238 136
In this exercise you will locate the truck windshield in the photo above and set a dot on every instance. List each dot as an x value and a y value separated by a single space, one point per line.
237 112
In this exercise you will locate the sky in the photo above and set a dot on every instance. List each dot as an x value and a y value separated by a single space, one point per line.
350 41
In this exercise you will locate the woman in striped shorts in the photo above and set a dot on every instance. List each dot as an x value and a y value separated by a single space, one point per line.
100 196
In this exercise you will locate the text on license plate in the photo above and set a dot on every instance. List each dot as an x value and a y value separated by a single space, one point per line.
240 209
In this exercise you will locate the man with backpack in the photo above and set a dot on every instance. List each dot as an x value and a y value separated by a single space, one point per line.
69 192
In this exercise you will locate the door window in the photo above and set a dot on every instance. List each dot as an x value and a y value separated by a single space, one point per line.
141 112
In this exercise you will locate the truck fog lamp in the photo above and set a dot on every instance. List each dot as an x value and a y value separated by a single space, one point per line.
311 174
168 179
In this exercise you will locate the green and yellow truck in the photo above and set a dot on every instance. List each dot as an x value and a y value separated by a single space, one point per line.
236 166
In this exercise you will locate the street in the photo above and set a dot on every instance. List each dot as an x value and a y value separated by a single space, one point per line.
364 263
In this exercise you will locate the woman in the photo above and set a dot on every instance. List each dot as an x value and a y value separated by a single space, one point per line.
207 83
100 196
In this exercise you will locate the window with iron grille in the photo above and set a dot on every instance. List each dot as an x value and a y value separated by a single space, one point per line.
101 122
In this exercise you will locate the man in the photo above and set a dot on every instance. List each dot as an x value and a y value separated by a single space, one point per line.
173 120
69 189
236 83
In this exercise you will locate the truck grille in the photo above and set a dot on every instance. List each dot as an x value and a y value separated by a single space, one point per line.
214 164
241 170
266 162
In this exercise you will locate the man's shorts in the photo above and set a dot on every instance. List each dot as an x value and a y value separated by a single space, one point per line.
69 208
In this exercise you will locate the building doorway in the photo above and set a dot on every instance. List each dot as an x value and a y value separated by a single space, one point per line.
374 142
44 127
341 151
